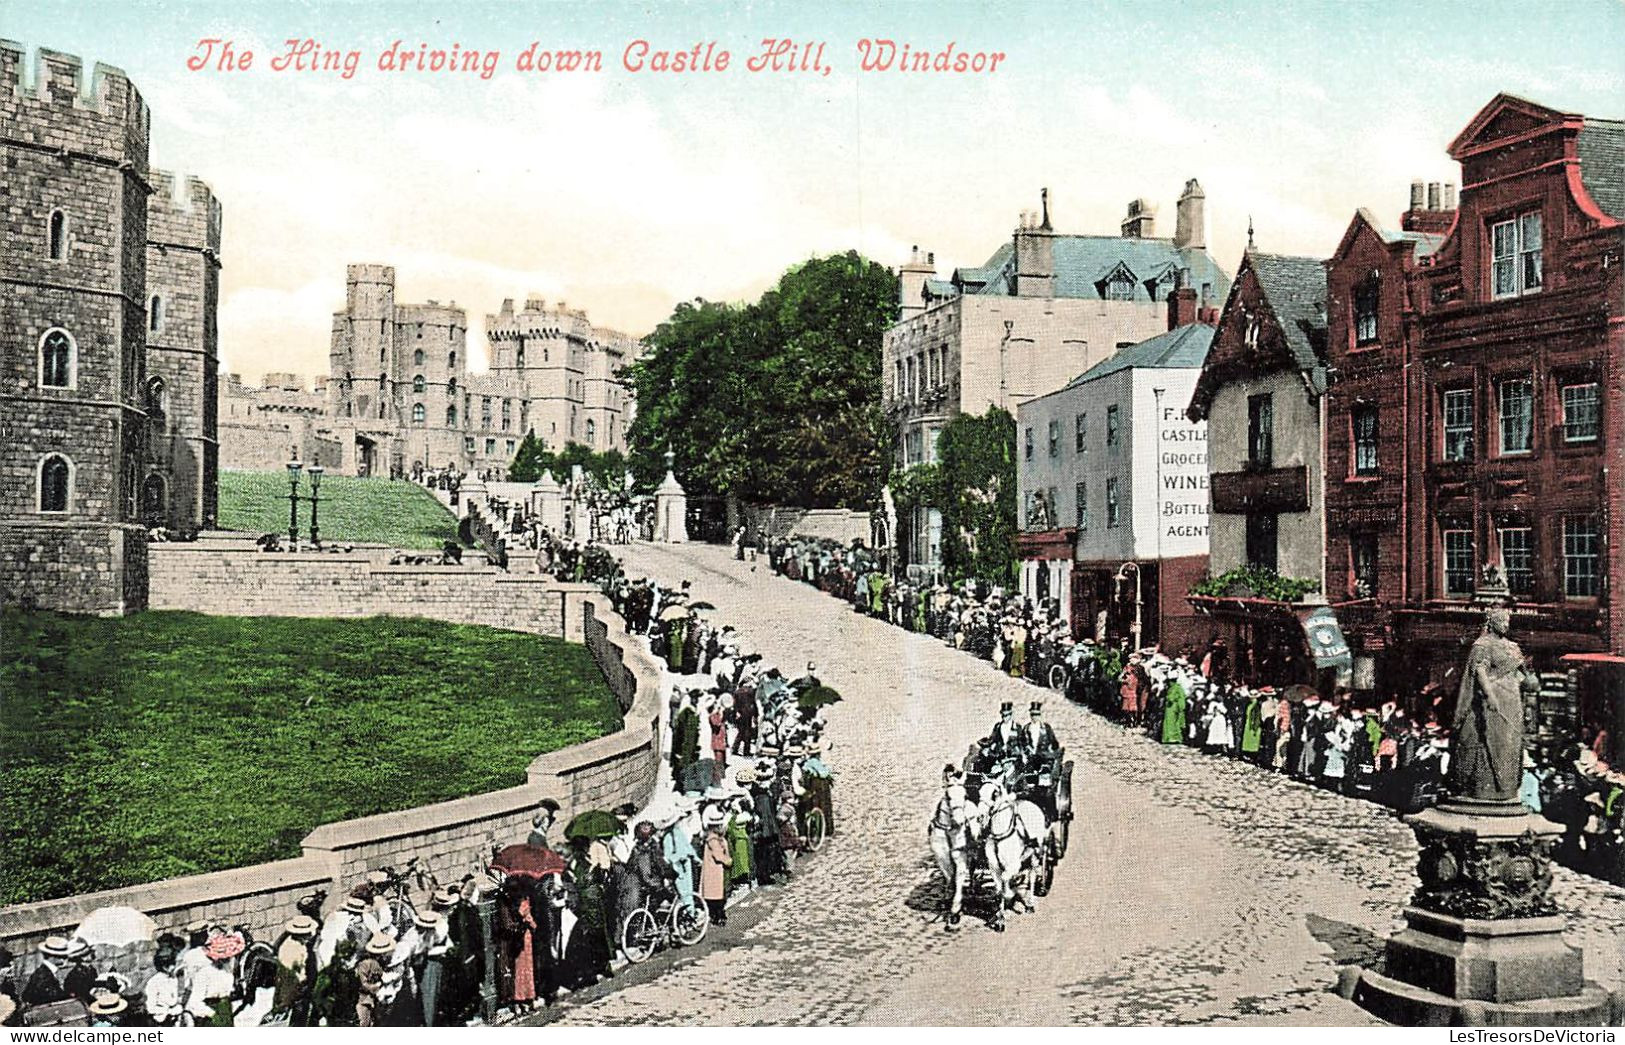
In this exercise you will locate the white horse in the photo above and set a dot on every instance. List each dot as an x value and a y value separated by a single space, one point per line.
1012 836
950 835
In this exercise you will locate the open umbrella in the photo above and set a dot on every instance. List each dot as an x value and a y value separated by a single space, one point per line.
594 823
116 927
701 606
674 613
817 697
528 861
1300 693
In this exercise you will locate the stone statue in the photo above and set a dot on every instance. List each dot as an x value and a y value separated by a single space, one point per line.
1486 751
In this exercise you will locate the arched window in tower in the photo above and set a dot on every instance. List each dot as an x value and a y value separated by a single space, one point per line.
55 483
592 431
57 236
419 415
451 360
417 357
451 417
157 397
519 353
155 314
418 384
58 359
451 388
380 353
153 499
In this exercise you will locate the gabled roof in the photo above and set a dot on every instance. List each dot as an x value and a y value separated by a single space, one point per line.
1184 347
1422 243
1296 290
1602 164
1080 263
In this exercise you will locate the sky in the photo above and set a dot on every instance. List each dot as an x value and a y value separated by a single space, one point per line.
625 193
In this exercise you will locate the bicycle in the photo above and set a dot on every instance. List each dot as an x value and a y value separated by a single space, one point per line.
647 929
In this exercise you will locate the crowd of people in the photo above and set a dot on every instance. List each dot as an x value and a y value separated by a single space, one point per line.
1196 698
746 752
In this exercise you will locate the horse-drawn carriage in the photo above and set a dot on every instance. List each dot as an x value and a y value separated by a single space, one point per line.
1010 833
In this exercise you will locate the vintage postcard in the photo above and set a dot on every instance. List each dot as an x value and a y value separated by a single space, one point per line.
760 514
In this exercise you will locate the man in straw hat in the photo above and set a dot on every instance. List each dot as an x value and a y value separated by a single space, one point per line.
295 969
108 1009
464 958
45 986
370 972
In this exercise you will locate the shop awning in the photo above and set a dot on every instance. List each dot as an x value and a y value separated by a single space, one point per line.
1592 658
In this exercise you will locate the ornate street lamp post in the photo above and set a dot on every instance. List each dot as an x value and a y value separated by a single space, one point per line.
293 502
316 472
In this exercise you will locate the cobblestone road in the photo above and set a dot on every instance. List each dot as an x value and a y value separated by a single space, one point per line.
1197 890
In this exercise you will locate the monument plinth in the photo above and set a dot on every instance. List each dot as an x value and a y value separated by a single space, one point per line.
1483 943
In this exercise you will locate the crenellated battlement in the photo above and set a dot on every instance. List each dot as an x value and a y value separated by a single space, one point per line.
182 210
110 121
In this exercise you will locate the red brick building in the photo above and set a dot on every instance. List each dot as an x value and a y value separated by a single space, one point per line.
1479 389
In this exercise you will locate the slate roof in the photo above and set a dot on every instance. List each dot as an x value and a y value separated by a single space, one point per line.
940 288
1184 346
1081 262
1296 290
1602 164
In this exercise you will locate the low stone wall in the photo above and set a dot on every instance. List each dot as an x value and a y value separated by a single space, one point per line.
839 524
234 578
450 839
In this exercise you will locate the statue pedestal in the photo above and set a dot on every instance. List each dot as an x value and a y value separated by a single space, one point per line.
1483 943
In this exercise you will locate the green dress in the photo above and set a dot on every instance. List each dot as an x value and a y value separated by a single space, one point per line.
1252 728
739 846
1173 714
676 632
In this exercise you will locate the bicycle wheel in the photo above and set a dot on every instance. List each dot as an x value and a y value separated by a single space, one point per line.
1058 677
639 935
690 924
815 830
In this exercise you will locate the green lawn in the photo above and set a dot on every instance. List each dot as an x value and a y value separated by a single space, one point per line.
397 513
164 744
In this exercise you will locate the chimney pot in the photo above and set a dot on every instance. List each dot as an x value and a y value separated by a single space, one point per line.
931 258
1433 195
1418 199
1449 195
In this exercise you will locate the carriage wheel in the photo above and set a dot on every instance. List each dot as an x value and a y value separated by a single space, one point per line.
639 935
1060 834
815 830
1044 873
1057 676
690 923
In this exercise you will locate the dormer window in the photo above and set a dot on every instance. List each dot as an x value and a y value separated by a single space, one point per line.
1515 256
1119 289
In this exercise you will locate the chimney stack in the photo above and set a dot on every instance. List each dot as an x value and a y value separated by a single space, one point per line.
1432 209
1190 218
1182 301
1141 220
1418 199
1433 195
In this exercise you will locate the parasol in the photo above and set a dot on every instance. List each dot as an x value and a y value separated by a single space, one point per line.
594 823
817 697
674 613
701 606
116 927
1300 693
528 861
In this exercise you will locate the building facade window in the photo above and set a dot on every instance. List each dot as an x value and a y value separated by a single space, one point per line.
1515 398
155 314
1459 563
451 417
592 431
417 357
519 354
1113 426
1112 510
1458 424
56 238
419 414
1363 564
1515 262
451 360
451 388
509 445
1261 430
1120 288
1517 558
1027 444
1582 555
490 447
1364 419
1080 495
898 387
1580 413
419 385
1080 438
468 445
1261 543
157 397
1366 298
485 412
913 380
58 359
55 483
507 414
1055 438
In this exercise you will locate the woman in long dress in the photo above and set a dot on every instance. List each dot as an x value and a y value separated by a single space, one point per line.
516 955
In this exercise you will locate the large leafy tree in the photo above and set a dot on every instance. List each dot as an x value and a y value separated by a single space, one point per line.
776 401
974 486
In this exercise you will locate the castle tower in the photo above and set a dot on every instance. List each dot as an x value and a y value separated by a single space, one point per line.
179 488
362 361
73 345
911 279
